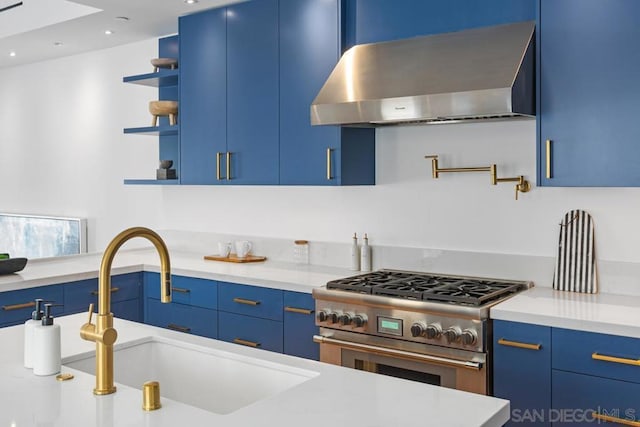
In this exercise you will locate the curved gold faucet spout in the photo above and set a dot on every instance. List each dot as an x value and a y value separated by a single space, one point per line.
102 332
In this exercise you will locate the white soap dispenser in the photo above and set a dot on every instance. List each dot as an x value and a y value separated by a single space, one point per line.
365 254
29 325
355 254
46 345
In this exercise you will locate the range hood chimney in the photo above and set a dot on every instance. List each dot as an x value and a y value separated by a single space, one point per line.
480 74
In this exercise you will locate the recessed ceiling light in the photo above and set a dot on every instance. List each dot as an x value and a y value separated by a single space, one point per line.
122 18
191 1
108 32
57 44
12 53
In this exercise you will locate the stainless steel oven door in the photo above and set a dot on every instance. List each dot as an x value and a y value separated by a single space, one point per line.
458 369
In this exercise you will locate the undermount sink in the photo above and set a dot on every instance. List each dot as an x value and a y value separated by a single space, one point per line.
213 380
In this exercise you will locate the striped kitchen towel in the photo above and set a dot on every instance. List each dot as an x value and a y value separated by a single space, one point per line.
576 263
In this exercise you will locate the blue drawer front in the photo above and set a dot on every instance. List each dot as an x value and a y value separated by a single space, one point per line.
250 300
186 290
10 314
185 318
78 295
573 351
576 396
267 334
515 366
300 327
128 310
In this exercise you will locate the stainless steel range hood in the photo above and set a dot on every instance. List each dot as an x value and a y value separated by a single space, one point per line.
479 74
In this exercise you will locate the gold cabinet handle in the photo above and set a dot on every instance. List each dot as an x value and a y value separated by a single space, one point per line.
517 344
218 155
113 290
549 159
247 343
181 290
609 418
178 328
246 301
329 176
228 165
613 359
298 310
18 306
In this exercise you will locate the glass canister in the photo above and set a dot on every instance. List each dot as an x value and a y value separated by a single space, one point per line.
301 251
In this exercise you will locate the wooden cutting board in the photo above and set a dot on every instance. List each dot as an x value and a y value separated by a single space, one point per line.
234 258
575 269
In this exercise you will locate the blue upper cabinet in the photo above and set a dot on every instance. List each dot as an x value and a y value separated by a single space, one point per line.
311 41
382 20
252 93
203 96
588 132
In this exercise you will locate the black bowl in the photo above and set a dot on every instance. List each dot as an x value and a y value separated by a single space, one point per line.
12 265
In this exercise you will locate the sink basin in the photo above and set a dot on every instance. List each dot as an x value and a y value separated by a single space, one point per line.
213 380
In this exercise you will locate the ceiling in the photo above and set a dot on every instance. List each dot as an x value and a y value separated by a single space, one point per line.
38 30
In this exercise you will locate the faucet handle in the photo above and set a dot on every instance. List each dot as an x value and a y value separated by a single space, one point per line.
88 330
90 312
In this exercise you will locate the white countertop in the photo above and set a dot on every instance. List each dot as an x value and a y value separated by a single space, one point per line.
273 274
336 396
604 313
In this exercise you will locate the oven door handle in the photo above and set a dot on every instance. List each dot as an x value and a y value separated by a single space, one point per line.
476 366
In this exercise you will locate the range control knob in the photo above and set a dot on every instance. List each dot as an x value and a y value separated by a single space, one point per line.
418 329
345 319
469 337
333 318
323 316
433 331
452 334
359 320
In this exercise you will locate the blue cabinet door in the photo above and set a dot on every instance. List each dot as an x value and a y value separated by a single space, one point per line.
311 41
250 331
184 290
252 92
203 97
252 301
382 20
16 306
522 374
124 288
182 318
300 325
577 397
588 80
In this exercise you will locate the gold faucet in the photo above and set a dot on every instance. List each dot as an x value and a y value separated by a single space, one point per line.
102 332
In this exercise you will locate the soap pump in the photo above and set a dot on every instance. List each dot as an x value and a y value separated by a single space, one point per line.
365 254
36 319
46 345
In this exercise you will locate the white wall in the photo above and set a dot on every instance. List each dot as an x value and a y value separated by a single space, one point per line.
62 151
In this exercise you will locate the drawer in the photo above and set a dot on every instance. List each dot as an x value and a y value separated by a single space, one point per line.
250 300
602 355
300 325
78 295
186 290
577 396
16 306
183 318
254 332
128 310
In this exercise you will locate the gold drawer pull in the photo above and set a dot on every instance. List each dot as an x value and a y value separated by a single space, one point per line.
247 343
548 174
517 344
228 165
18 306
298 310
181 290
178 328
113 290
604 358
246 301
609 418
218 155
329 175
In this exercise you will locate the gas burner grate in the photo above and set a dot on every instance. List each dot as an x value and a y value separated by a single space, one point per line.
365 283
471 292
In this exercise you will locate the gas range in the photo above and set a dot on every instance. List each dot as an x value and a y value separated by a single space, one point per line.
444 310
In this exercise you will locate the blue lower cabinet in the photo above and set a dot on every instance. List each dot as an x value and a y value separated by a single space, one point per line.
250 300
251 331
300 325
16 306
522 370
185 290
128 310
183 318
582 400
